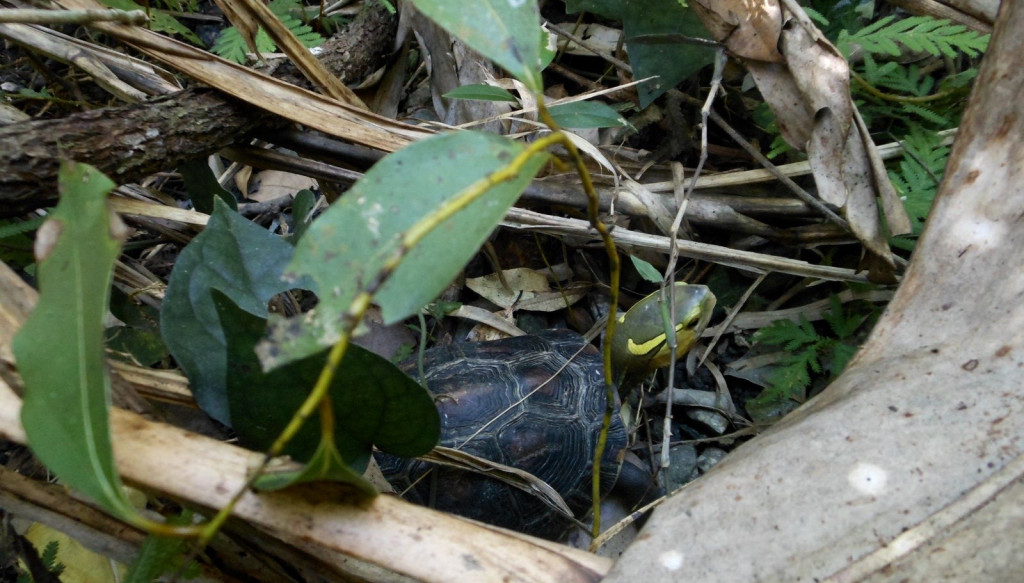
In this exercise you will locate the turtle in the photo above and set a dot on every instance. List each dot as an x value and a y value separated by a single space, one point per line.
535 403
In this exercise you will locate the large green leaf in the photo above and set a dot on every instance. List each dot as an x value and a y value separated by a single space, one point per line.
506 31
245 262
669 60
348 245
373 401
60 348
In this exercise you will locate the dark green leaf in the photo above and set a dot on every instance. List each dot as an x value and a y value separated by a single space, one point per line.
373 401
481 92
159 21
143 346
841 355
670 61
302 206
245 262
202 186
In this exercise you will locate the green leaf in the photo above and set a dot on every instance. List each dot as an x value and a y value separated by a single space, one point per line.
140 336
373 401
60 348
646 270
920 172
159 21
481 92
302 208
506 31
49 558
586 114
13 227
231 46
160 554
349 244
16 244
844 322
245 262
842 353
143 346
325 465
202 186
669 61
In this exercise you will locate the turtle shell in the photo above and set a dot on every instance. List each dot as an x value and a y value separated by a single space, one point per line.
545 394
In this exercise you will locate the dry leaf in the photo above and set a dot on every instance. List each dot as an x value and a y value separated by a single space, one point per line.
747 29
809 92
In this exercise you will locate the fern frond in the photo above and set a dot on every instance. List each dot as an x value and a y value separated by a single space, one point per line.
232 47
789 334
844 322
916 33
920 172
49 558
928 114
12 228
894 76
841 355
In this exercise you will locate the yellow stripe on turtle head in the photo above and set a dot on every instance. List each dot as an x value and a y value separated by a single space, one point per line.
639 344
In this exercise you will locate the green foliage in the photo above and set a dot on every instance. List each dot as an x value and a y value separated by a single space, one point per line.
481 92
397 415
74 287
586 114
231 46
918 176
650 28
161 555
202 185
507 32
241 259
15 242
906 92
353 240
901 96
49 558
138 340
158 20
939 38
809 353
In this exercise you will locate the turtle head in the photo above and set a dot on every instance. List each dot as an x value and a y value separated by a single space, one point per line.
640 344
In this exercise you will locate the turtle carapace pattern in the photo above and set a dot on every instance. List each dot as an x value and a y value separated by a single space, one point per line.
552 433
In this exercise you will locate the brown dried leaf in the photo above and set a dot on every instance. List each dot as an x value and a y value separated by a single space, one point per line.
809 92
748 29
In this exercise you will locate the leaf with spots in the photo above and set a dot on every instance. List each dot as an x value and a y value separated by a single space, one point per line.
347 247
60 349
